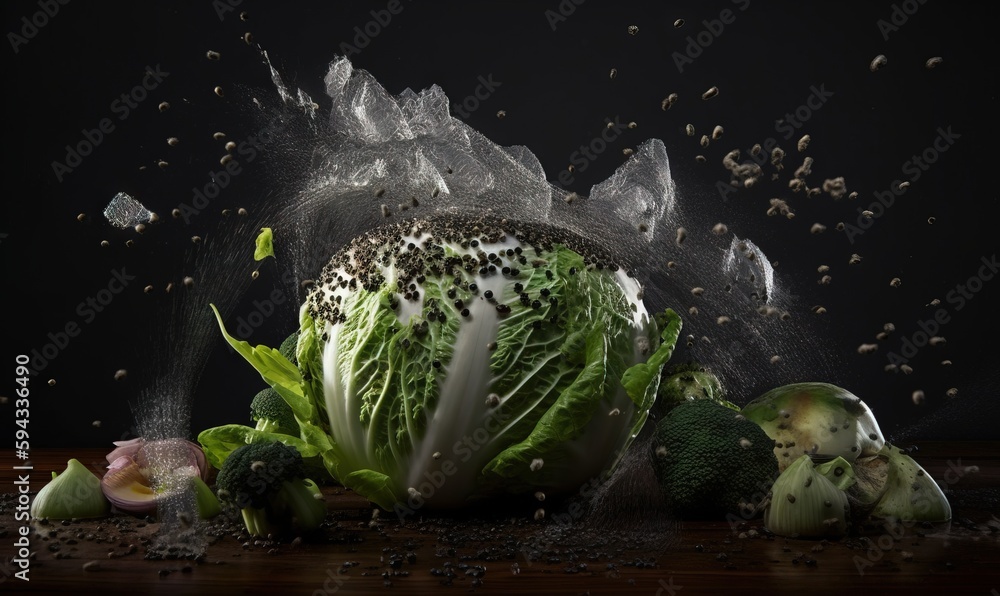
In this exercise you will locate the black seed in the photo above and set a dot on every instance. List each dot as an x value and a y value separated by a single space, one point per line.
488 294
505 270
545 292
536 304
536 324
515 272
459 304
451 293
436 364
473 288
572 270
518 287
465 312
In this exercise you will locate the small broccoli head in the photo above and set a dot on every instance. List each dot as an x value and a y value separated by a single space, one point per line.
266 481
688 382
711 460
272 414
289 347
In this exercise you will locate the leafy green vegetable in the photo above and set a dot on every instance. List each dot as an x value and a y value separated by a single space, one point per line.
448 359
264 245
710 460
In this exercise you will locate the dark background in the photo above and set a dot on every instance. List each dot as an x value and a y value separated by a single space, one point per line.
556 91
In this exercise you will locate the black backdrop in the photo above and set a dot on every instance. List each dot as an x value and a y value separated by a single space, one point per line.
547 65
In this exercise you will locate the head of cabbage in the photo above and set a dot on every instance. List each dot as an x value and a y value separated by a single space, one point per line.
449 358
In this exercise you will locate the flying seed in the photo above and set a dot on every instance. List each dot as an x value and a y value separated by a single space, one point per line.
385 210
540 496
681 235
697 291
904 185
164 106
627 151
946 363
173 141
539 514
213 55
170 286
745 443
822 268
241 211
933 62
121 374
937 340
710 93
825 280
225 159
878 62
853 195
195 239
717 133
906 368
501 114
720 229
820 310
700 158
867 348
492 400
817 228
255 274
244 16
613 73
536 464
218 91
189 282
129 243
855 259
436 455
775 359
803 143
895 282
148 289
219 136
689 129
756 149
96 424
668 101
633 29
163 164
679 23
693 311
953 392
723 320
931 220
140 228
918 397
248 38
704 141
661 451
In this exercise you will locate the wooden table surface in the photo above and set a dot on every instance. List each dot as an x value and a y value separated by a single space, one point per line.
355 556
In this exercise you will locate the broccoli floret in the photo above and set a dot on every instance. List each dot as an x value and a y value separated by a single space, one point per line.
710 460
289 346
266 481
689 382
273 414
